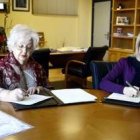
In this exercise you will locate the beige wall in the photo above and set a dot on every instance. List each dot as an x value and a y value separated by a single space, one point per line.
71 30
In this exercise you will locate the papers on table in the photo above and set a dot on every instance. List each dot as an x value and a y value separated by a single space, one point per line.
55 98
73 95
32 99
122 97
71 49
10 125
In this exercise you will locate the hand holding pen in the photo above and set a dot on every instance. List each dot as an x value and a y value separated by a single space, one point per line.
131 91
17 94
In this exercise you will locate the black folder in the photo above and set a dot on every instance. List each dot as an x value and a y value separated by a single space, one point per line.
54 101
119 102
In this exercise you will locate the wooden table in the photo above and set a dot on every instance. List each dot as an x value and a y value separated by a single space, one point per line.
2 55
91 121
59 60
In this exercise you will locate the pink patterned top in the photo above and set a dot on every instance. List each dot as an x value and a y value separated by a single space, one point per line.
11 72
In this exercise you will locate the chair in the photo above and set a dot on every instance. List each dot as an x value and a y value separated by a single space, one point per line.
81 69
42 57
99 69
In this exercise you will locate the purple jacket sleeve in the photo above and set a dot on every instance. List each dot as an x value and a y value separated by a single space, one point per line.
122 68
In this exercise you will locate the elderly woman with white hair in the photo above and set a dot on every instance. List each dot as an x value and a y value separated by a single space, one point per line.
128 69
20 75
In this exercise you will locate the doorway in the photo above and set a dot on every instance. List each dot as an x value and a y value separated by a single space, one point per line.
101 23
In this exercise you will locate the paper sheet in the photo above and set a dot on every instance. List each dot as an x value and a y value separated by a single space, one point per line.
73 95
10 125
71 49
122 97
32 99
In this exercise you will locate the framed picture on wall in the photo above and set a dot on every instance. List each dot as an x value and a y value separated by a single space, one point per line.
21 5
41 39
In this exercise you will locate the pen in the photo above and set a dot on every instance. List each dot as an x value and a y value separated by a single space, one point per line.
131 85
25 92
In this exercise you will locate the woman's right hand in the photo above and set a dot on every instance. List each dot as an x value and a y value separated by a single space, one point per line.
17 94
130 91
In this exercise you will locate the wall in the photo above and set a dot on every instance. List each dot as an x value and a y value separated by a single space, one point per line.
58 30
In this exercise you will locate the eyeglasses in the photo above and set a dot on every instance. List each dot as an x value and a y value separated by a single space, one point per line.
27 47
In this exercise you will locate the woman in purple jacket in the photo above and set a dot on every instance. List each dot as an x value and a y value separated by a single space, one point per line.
129 70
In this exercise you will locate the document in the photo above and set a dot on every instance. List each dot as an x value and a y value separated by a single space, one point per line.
122 97
32 99
73 95
10 125
71 49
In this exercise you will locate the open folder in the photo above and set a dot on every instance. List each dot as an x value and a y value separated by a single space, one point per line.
121 99
56 98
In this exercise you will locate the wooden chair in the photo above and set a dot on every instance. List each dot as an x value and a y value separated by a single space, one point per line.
81 69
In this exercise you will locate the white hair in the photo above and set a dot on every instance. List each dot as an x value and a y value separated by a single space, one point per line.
20 31
137 47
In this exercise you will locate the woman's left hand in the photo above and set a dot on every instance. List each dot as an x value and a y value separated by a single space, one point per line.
32 90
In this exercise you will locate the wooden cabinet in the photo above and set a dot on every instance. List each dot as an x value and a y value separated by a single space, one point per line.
115 55
125 28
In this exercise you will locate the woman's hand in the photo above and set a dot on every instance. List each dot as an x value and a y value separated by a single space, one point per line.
32 90
17 94
130 91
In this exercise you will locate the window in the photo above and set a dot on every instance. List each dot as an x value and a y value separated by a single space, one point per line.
55 7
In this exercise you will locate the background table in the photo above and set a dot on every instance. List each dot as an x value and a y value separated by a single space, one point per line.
2 55
59 59
90 121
